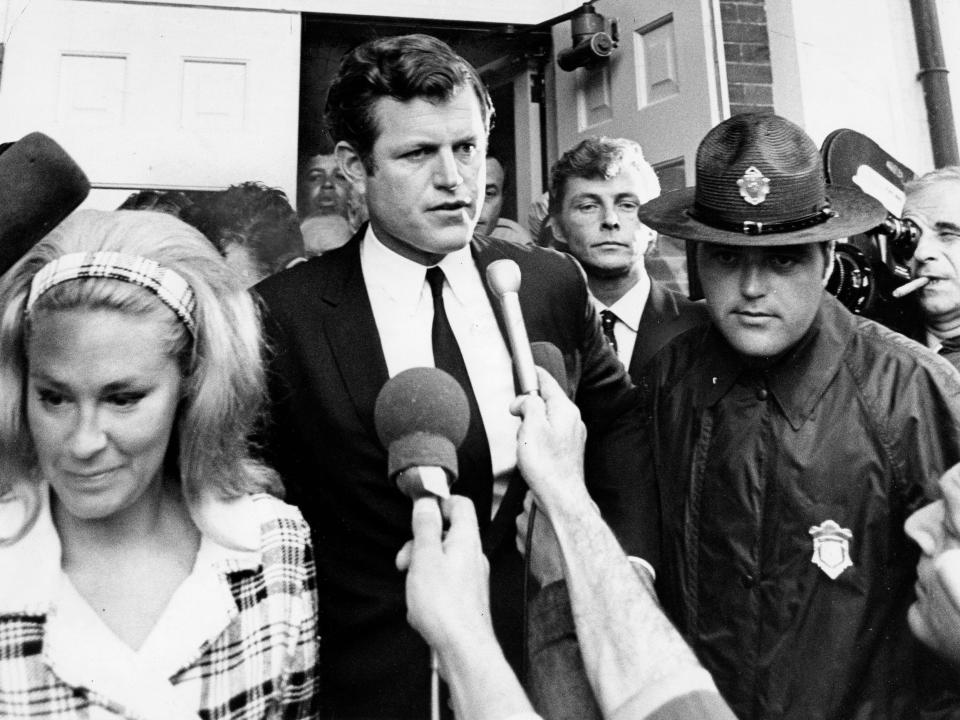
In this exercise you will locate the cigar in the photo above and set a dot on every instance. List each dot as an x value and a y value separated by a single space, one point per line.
909 287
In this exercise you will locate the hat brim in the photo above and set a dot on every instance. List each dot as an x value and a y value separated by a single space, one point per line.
856 211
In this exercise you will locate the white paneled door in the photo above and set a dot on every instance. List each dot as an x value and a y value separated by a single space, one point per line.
156 95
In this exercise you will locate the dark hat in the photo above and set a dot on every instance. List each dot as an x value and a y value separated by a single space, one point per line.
39 186
760 182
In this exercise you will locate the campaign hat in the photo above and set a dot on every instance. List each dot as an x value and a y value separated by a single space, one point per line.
760 182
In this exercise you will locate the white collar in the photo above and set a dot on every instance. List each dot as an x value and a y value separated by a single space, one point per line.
78 647
230 532
629 308
402 280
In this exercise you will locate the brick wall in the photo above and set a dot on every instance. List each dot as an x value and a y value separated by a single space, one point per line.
750 88
747 49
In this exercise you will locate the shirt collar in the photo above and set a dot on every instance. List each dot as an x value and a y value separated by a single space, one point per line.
389 274
797 381
629 308
402 280
227 528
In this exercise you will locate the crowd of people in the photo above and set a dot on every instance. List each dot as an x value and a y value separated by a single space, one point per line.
741 507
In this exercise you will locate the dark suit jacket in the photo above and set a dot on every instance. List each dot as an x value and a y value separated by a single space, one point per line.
326 369
666 314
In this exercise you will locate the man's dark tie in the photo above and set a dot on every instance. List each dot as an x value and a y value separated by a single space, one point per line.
608 320
473 457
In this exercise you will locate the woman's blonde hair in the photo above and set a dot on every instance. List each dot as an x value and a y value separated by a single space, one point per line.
223 374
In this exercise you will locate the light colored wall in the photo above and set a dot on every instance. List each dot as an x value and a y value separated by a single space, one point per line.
853 64
493 11
159 96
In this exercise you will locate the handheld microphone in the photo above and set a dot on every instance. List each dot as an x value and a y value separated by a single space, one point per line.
548 356
503 277
421 416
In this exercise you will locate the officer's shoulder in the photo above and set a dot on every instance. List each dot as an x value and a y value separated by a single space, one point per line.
887 350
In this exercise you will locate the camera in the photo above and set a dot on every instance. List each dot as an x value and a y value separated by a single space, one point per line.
869 267
591 41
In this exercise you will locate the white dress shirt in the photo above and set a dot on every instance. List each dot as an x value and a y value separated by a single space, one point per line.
403 311
628 309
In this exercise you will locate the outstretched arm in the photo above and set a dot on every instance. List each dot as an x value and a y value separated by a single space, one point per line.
635 659
448 603
935 616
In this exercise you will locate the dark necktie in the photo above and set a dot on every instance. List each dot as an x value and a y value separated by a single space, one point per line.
473 457
608 320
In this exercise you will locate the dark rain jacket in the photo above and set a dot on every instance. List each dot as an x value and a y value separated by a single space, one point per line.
796 618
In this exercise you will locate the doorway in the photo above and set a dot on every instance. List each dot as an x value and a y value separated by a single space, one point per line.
500 53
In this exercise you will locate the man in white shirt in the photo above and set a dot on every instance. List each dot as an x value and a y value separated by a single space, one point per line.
596 189
411 120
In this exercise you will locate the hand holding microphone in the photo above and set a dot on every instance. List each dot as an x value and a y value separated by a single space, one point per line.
448 603
550 445
447 591
421 416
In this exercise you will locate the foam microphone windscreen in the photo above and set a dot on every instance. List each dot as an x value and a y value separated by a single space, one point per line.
39 186
548 356
421 416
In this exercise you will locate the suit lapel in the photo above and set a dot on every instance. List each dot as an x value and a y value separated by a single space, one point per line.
658 313
352 331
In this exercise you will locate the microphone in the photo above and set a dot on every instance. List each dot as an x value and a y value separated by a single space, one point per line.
548 356
421 416
503 277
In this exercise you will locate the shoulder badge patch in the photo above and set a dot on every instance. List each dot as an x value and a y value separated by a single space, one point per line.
754 187
831 548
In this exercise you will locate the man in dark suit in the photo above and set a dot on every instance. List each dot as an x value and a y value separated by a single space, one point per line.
411 119
596 189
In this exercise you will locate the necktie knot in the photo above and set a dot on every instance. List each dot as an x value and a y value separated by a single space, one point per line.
608 320
435 278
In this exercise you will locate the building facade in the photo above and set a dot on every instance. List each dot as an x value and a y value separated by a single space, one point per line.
201 94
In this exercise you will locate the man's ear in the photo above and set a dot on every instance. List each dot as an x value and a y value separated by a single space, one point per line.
351 165
829 255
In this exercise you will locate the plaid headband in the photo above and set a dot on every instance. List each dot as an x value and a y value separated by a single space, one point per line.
166 284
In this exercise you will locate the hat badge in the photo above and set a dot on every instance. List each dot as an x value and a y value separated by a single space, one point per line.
831 548
754 187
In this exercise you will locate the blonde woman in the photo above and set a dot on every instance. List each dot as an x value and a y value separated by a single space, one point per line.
146 573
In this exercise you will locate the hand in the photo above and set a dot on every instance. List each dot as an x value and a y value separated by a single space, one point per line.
448 595
550 444
950 487
546 560
935 616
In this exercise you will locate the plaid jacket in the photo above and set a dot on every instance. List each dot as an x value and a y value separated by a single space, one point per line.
251 654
